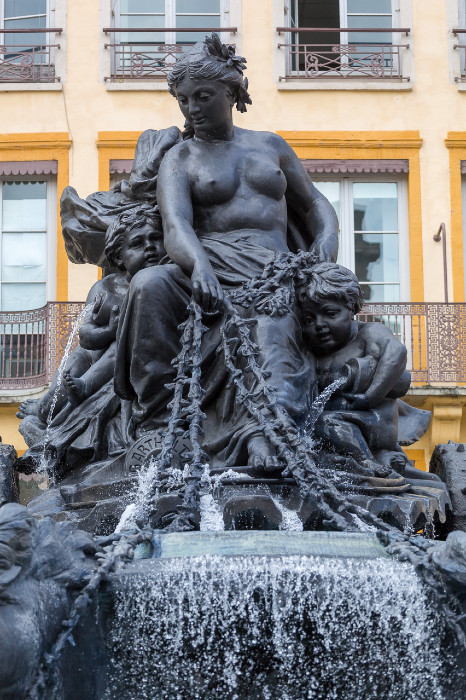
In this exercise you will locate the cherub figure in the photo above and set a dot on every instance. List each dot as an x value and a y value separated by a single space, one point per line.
134 241
361 420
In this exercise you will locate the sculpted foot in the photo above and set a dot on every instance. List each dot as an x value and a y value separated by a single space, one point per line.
74 388
29 407
262 455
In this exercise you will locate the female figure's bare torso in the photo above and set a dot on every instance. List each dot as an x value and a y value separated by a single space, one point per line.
236 185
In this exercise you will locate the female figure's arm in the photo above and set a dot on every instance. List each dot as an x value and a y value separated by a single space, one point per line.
181 242
314 209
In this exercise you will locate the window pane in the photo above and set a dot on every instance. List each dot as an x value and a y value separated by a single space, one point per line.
25 40
193 21
369 6
198 6
17 8
376 257
24 257
24 206
381 292
375 206
370 22
140 22
331 190
142 6
19 297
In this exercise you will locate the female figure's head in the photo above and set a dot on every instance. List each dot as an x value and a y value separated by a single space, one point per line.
208 81
135 239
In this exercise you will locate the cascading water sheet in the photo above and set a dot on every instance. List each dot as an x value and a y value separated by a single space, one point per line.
280 628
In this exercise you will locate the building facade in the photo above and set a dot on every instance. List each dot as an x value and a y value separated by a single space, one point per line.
371 94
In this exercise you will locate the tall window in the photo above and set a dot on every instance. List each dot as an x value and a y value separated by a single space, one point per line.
373 234
25 252
339 49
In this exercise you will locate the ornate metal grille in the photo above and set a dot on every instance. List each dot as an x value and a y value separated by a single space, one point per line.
27 63
32 342
366 60
148 60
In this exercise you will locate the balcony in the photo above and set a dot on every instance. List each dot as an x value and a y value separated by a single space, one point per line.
23 60
32 343
317 54
149 60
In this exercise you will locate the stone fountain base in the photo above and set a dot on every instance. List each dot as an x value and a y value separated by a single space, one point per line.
264 615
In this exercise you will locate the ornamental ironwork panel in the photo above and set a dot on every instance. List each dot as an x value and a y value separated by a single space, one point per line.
28 62
61 319
32 343
371 60
23 349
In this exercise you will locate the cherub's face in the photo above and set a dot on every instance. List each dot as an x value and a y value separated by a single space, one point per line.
142 247
326 326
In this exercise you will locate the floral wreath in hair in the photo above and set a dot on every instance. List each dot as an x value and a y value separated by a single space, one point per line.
227 54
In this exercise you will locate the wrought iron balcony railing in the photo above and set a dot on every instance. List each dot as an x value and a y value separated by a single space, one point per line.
32 342
334 59
27 60
149 60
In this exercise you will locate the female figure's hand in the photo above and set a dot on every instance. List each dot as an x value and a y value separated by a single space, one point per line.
206 288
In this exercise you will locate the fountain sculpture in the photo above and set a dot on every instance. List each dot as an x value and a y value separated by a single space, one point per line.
223 447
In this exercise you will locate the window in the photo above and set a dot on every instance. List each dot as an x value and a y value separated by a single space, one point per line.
373 233
145 48
27 249
25 55
360 46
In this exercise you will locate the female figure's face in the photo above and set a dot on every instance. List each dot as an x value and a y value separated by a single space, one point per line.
206 105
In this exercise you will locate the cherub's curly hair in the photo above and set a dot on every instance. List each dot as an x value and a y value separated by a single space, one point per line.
330 281
136 217
212 60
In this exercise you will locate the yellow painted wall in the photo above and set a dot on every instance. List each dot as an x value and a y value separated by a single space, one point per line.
100 120
9 427
85 106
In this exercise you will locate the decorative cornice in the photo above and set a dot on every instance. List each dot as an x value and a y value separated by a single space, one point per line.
22 142
353 139
456 139
117 139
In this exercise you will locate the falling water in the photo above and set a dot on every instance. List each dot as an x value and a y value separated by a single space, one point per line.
279 628
211 515
44 467
318 404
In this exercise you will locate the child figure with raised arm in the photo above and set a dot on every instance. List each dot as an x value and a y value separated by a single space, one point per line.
361 420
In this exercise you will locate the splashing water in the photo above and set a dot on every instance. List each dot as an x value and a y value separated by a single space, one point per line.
44 467
211 515
290 518
279 628
318 404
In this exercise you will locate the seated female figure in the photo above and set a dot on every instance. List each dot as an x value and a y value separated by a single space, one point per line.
224 196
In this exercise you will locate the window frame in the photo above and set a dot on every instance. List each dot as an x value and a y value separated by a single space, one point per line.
346 255
51 230
345 37
171 15
231 16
